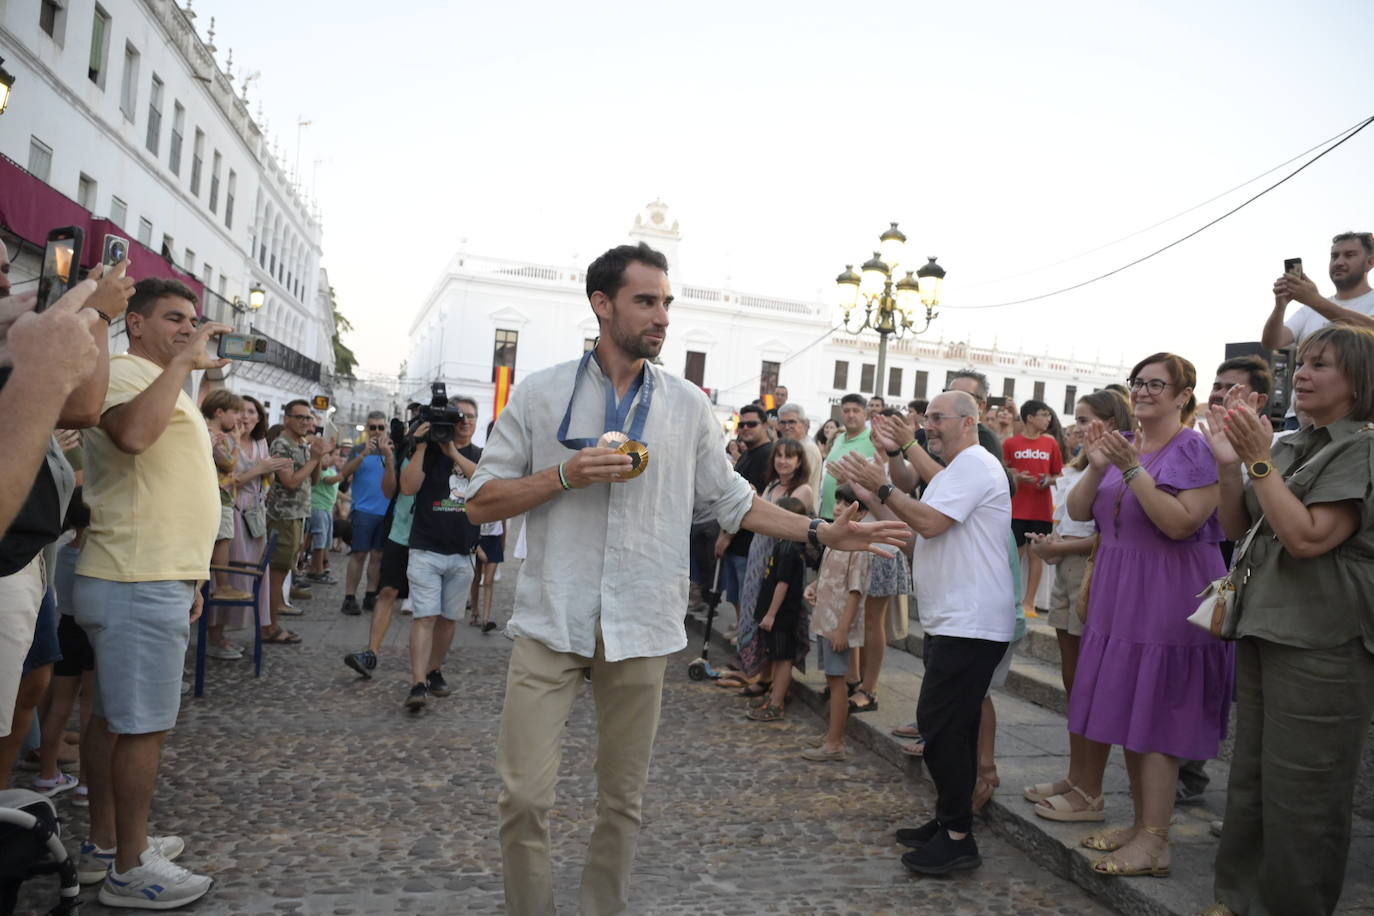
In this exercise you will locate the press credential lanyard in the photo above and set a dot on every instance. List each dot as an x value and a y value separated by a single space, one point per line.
616 412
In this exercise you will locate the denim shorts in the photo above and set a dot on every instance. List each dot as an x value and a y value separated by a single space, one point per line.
321 529
832 662
45 649
732 578
139 631
439 582
369 531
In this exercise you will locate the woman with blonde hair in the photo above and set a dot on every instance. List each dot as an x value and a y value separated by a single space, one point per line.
1305 631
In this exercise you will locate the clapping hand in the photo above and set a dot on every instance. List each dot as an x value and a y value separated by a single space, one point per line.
1109 447
1250 434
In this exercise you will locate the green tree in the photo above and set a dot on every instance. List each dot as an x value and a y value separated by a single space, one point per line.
345 361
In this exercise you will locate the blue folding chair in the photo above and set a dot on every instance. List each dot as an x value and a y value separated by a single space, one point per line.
258 573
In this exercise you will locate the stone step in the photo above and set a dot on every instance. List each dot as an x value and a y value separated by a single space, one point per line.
1033 747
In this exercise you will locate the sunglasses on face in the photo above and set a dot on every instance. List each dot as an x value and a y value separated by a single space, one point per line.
748 424
376 429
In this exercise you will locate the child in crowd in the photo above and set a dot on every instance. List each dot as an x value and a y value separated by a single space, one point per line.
779 612
491 553
837 596
323 495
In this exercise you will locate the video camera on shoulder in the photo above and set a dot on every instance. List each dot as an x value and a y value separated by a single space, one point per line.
442 419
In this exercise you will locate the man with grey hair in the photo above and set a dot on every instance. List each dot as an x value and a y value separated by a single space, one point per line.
962 568
372 460
793 424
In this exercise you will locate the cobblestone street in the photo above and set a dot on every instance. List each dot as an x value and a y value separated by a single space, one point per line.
311 791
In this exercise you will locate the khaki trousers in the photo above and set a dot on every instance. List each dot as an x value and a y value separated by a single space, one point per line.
1301 720
541 686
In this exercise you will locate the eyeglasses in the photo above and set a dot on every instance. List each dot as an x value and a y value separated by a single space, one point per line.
942 417
749 424
792 422
1152 385
299 416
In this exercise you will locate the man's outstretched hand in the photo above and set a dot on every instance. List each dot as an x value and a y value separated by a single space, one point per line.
847 534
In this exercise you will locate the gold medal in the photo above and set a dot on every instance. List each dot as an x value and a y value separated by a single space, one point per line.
639 458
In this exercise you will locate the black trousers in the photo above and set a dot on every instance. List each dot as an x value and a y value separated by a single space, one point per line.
958 672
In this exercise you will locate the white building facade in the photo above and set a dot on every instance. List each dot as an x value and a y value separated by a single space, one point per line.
121 107
488 312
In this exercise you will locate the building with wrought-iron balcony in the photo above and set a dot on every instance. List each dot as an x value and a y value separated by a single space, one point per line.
122 120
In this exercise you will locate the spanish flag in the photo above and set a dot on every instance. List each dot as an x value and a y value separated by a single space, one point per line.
503 374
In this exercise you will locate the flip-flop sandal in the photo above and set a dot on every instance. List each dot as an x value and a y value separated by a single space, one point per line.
730 681
283 637
915 748
906 731
290 612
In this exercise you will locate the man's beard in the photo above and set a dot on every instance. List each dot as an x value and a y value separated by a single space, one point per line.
1348 282
633 346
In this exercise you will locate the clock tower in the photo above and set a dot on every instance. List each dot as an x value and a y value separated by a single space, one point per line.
655 227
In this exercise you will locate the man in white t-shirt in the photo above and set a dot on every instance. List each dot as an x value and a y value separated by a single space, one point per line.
1352 257
962 571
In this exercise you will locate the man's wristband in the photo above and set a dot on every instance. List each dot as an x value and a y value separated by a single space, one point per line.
103 317
813 533
563 477
907 446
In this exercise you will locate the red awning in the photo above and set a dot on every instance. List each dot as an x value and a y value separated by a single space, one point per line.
30 208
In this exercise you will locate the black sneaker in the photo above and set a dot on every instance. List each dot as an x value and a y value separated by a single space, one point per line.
917 837
369 600
362 662
488 626
350 606
417 698
436 683
943 855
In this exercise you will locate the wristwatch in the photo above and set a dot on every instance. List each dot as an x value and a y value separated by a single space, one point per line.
1260 469
884 492
894 453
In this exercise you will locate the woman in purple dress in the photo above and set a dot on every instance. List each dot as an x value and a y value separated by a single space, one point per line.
1147 679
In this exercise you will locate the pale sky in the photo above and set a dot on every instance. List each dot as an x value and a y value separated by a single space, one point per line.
1003 136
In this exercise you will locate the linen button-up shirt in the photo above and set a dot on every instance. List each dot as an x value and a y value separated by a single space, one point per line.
614 554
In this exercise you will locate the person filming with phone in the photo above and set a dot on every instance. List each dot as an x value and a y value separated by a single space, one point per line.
155 512
1352 257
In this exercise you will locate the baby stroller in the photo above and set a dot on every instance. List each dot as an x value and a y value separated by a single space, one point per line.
29 846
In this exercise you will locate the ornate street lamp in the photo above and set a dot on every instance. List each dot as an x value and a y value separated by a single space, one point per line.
6 84
257 298
889 308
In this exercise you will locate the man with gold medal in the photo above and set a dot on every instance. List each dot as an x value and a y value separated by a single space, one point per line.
604 586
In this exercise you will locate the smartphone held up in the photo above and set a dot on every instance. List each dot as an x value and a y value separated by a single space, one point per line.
1292 267
242 346
61 265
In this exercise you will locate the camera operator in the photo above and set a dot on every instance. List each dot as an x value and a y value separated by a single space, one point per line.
53 370
442 540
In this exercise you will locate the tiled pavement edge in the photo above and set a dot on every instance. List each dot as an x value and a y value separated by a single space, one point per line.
1032 747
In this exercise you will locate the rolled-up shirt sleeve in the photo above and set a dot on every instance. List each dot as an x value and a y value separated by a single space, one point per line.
720 492
508 452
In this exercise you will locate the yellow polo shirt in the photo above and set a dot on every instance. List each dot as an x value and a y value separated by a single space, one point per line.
154 516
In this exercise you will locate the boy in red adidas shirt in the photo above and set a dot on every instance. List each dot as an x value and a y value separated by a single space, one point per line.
1036 459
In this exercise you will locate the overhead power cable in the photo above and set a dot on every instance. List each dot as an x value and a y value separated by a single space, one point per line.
1343 137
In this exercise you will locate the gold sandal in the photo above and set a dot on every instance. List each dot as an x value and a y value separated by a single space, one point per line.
1110 841
1109 865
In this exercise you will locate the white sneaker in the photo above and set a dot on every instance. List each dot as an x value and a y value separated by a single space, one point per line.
93 862
155 884
227 653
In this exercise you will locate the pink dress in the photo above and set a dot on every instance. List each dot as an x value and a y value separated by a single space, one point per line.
245 548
